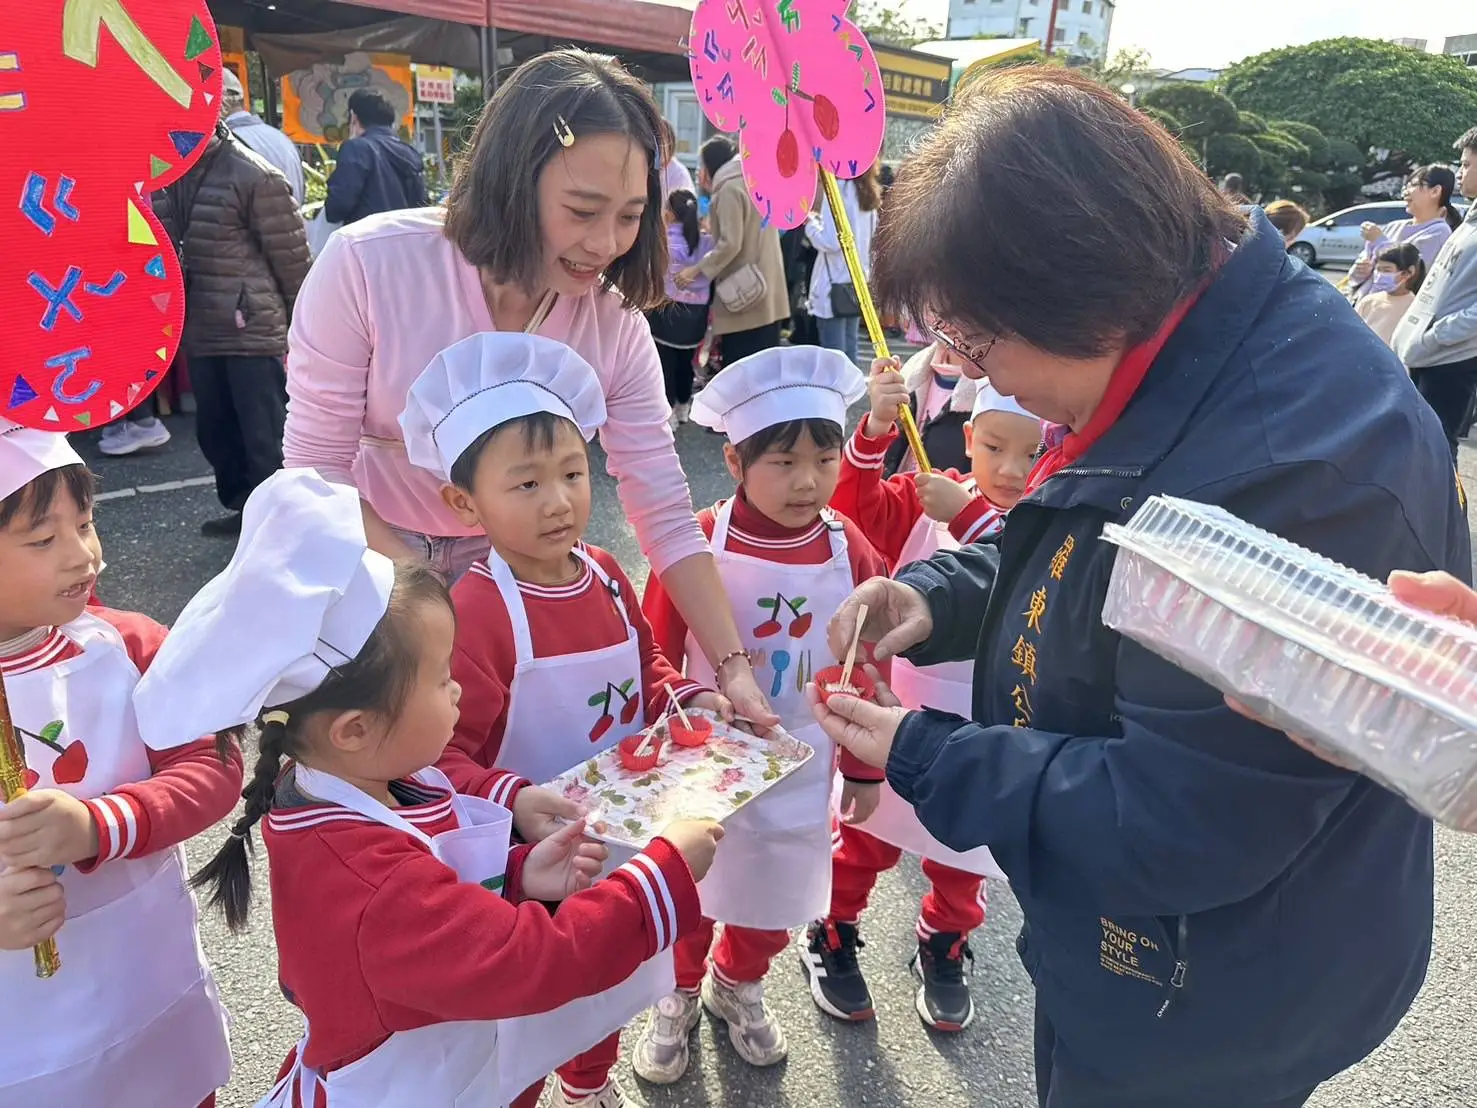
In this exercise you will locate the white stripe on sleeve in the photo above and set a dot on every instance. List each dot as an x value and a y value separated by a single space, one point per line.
658 897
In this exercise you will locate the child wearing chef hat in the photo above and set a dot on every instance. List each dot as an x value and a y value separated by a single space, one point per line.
553 654
787 563
408 933
909 517
90 856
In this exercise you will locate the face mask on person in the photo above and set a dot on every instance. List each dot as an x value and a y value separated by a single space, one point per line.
1384 282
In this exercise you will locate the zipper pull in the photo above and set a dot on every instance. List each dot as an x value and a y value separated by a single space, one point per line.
1176 981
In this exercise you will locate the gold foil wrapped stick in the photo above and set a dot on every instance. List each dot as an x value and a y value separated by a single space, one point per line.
869 310
12 787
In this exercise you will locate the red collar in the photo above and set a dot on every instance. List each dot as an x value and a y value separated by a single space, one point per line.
1127 376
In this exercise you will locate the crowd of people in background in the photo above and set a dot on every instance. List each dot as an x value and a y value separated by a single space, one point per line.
417 522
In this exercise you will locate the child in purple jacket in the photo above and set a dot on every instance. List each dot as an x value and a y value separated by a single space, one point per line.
679 325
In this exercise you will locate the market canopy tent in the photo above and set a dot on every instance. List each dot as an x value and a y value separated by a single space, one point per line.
648 35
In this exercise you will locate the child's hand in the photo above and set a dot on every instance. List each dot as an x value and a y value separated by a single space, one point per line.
859 800
697 841
562 864
887 393
539 812
714 702
46 828
32 907
942 499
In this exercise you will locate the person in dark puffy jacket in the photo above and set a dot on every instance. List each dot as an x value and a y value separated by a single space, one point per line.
375 172
244 251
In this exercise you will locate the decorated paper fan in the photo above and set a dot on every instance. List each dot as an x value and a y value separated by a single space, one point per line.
101 103
800 84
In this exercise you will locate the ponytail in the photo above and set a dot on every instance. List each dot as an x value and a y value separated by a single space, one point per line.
684 207
228 874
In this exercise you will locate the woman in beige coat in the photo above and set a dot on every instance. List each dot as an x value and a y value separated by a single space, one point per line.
750 295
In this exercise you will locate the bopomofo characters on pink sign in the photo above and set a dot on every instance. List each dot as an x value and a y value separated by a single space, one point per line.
800 84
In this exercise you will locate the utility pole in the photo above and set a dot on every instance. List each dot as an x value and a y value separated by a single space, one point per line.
1051 27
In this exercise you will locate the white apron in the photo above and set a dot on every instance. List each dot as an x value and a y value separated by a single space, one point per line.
946 687
773 869
549 723
133 981
466 1063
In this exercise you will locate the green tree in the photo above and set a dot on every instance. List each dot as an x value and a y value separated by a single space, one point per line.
1373 94
1170 123
1311 138
1202 112
1251 123
884 21
1233 153
1128 66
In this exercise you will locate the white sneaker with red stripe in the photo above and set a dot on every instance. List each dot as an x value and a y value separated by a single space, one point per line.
609 1095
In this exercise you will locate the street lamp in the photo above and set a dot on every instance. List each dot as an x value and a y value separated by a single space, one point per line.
1129 91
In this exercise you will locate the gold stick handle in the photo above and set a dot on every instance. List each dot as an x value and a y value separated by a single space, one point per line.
869 310
12 787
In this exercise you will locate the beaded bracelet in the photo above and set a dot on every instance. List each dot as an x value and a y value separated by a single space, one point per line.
730 656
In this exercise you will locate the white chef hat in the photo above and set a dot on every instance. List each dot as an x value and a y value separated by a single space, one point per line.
25 454
989 399
301 595
776 386
485 381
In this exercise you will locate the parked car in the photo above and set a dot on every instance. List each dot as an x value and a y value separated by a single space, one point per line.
1335 239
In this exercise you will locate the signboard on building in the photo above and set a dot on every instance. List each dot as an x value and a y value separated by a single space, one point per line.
914 84
435 84
915 87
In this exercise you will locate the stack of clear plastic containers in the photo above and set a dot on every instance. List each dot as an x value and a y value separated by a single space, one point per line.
1306 643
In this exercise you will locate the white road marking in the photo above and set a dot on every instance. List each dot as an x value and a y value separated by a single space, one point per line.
166 486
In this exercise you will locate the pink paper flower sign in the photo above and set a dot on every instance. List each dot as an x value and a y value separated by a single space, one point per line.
800 84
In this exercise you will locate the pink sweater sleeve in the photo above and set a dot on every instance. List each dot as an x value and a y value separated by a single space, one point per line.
328 356
642 455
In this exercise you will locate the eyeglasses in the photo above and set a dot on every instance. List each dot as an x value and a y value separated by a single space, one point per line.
975 355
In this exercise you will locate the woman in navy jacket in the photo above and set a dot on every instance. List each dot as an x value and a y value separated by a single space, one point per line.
1214 918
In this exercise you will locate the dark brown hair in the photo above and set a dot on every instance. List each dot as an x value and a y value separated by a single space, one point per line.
824 433
378 680
540 432
32 501
492 213
1439 177
684 207
1403 257
868 190
716 153
1044 207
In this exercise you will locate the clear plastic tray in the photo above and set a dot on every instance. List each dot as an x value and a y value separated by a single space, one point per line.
1307 644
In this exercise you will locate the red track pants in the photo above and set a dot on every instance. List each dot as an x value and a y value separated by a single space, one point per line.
954 903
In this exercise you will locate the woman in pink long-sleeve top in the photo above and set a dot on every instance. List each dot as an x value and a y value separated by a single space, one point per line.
553 225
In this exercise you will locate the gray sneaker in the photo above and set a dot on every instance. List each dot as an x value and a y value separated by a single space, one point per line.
660 1056
752 1028
126 436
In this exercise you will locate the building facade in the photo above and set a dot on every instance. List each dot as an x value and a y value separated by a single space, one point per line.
1463 47
1081 29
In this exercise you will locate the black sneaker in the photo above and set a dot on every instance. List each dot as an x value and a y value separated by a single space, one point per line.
943 999
836 982
224 527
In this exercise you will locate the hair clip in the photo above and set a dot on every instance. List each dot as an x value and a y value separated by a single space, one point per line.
280 718
562 131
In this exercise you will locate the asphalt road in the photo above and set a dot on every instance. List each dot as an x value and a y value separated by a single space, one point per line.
157 559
